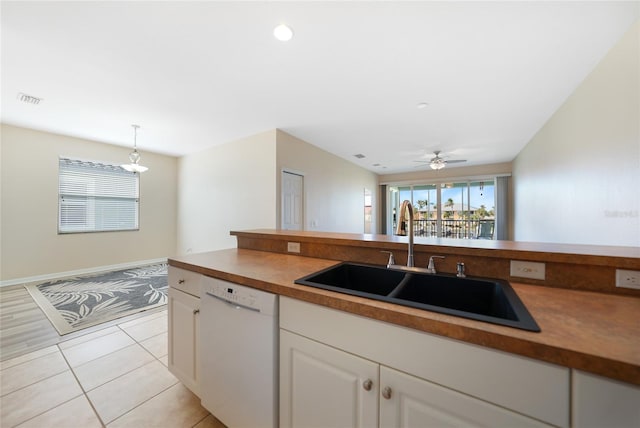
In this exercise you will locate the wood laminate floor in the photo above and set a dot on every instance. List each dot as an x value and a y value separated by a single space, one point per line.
23 326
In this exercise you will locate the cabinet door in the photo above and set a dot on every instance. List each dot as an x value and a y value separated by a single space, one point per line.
183 338
321 386
601 402
408 401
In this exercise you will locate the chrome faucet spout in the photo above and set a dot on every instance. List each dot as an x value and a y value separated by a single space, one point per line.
406 206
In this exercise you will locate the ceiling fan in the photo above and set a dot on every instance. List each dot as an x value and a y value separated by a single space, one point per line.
438 162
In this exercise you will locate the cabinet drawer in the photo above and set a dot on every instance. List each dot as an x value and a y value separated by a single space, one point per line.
184 280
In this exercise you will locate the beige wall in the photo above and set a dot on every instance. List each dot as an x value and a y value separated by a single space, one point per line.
235 186
227 187
578 179
333 187
31 245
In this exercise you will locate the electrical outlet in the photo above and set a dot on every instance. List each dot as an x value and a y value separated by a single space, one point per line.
628 278
531 270
293 247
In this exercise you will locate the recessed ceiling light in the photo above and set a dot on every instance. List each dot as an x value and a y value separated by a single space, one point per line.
422 105
283 33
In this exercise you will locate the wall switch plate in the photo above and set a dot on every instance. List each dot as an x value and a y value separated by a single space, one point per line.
293 247
628 278
533 270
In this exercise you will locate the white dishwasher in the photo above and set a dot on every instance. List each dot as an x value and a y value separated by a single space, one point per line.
239 354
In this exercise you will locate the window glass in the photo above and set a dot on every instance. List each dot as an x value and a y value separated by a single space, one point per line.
96 197
461 210
425 203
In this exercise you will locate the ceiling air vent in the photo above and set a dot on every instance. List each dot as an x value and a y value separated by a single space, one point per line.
28 99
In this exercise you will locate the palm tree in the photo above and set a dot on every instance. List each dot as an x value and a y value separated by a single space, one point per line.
448 213
482 212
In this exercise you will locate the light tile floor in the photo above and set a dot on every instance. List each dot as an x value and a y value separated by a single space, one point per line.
114 377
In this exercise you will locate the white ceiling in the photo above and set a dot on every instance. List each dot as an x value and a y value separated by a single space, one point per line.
198 74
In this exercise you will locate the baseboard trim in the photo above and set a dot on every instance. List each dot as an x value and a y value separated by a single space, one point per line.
72 273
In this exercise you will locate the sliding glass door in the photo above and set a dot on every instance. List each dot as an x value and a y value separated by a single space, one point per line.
461 210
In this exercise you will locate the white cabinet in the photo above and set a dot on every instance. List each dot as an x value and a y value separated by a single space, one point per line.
184 320
324 387
431 378
321 386
185 280
407 401
599 402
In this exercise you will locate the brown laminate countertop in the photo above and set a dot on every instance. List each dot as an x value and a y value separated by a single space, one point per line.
594 332
627 257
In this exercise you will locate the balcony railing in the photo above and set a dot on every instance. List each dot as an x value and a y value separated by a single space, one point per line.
459 229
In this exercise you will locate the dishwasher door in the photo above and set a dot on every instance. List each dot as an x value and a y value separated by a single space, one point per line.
239 354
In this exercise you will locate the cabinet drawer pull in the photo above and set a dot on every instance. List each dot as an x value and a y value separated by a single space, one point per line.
196 311
367 384
181 281
386 392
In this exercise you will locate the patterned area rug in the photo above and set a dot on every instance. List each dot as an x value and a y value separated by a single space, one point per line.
75 303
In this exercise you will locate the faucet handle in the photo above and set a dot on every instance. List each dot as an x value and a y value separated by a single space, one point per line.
460 270
392 260
432 265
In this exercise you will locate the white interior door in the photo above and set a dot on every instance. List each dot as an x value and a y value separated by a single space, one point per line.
292 209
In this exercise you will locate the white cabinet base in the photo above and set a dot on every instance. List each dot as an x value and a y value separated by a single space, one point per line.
413 402
183 338
323 387
599 402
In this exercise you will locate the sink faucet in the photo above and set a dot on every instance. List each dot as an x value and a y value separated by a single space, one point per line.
406 205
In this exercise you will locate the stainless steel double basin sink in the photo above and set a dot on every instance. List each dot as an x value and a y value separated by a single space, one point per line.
482 299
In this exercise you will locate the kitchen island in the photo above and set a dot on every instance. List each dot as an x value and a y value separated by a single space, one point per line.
582 330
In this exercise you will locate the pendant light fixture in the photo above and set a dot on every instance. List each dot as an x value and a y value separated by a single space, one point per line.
134 156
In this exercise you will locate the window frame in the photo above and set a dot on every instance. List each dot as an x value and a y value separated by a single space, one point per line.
409 187
122 194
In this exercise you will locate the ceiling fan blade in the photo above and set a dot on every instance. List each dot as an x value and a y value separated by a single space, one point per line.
456 161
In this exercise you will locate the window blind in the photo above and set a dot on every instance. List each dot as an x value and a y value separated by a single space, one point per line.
95 197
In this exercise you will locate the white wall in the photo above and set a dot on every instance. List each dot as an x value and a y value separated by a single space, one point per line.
578 179
227 187
31 245
333 187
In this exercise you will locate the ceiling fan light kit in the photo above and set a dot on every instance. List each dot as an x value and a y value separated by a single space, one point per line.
134 156
437 163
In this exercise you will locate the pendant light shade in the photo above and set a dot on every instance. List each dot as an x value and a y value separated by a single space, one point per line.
134 156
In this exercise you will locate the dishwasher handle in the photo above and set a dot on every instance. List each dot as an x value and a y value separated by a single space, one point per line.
235 305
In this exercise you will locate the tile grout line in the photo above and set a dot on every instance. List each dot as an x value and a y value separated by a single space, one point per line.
148 399
84 393
145 401
36 381
201 420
